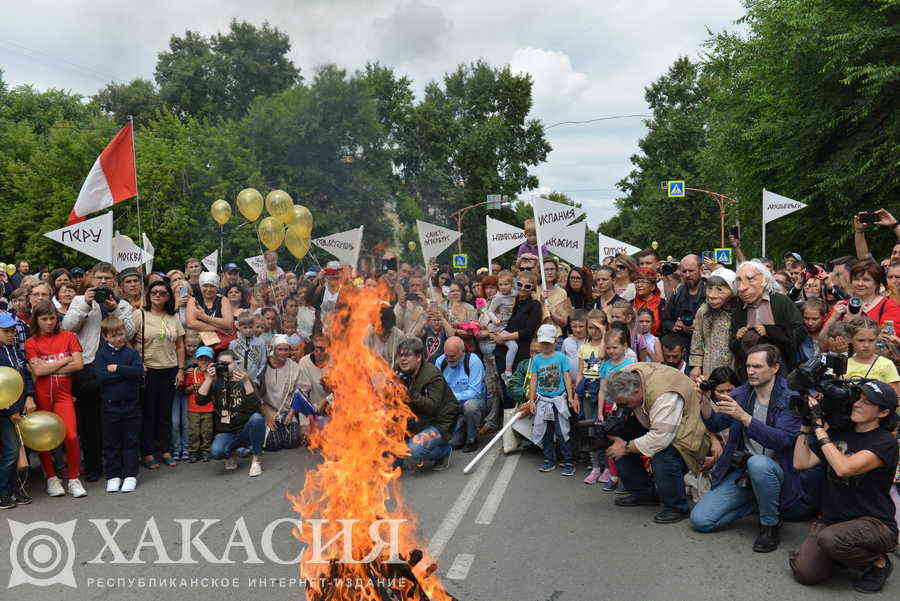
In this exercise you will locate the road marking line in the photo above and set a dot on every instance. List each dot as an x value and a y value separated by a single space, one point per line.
460 507
492 503
460 568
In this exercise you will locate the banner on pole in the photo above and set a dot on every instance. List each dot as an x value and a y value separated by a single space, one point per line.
568 244
149 250
434 239
610 247
502 237
551 217
211 261
127 254
257 263
775 206
92 237
343 245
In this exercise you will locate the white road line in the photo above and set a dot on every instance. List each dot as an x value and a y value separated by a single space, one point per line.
492 503
460 568
460 507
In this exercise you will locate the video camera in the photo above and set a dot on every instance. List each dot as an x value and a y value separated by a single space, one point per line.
838 395
221 369
621 423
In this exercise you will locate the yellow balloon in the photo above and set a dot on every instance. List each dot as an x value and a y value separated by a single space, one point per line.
10 269
220 211
411 246
303 221
654 245
42 430
2 266
250 203
271 233
298 245
280 205
11 387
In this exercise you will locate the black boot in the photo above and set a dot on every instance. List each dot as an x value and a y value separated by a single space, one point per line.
768 538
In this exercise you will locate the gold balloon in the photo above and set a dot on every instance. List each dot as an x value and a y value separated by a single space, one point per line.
10 269
271 233
280 205
42 430
250 203
302 222
11 386
2 266
220 211
411 246
654 245
298 245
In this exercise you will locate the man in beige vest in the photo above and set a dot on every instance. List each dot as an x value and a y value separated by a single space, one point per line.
665 402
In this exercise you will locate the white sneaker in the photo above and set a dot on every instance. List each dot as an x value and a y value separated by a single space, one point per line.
230 464
255 468
113 484
129 484
55 487
76 489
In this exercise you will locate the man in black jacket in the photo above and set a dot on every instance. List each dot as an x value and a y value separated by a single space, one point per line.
678 318
433 402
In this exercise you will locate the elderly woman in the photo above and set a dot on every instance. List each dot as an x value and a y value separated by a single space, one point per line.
710 342
280 380
764 316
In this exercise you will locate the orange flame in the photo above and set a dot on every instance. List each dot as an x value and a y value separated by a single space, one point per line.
365 434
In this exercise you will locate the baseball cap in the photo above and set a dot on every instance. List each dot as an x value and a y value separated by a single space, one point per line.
231 267
793 255
208 278
546 333
880 394
128 271
333 268
204 351
77 271
7 320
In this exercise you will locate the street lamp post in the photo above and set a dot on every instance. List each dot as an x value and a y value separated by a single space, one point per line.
721 200
458 215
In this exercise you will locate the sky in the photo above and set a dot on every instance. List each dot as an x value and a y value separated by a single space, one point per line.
588 59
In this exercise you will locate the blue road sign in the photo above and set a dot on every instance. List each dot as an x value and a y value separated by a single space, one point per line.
460 261
676 188
724 256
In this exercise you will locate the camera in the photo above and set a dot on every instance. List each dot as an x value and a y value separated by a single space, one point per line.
708 385
837 292
687 318
735 231
221 369
739 461
854 305
838 395
869 217
102 294
621 423
412 296
667 269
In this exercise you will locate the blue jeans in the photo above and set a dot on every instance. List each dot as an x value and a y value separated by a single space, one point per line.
180 424
668 478
552 434
9 455
428 445
252 435
470 418
728 501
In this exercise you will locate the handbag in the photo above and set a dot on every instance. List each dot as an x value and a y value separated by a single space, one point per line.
283 435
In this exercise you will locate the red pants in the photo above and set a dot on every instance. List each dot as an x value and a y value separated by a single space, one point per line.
64 407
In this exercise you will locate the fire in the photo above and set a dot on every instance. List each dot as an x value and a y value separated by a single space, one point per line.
357 479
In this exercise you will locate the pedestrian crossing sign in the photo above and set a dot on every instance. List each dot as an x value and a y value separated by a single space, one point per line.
724 256
460 261
676 188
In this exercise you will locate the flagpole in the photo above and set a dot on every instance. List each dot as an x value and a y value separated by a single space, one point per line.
137 187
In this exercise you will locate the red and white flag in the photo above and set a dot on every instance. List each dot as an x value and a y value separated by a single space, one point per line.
112 178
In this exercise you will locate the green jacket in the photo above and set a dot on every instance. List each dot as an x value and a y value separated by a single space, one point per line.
517 388
432 401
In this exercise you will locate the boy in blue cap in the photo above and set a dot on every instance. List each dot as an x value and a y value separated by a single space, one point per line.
200 417
12 492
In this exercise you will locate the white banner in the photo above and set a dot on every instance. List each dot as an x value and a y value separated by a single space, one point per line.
434 239
343 245
92 237
257 263
552 217
149 250
568 244
502 237
127 254
610 247
775 206
211 261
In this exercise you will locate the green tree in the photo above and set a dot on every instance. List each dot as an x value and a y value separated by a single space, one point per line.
138 99
221 75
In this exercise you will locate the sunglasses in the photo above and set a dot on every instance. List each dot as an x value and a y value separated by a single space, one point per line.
158 293
527 286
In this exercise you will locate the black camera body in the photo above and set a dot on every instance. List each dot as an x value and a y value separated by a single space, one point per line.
838 395
708 385
837 292
102 294
687 318
869 217
667 268
221 369
620 423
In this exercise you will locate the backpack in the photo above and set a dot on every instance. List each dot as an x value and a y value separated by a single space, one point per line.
465 362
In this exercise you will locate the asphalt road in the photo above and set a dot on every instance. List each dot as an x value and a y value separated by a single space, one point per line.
504 532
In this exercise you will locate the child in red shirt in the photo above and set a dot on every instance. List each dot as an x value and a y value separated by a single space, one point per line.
54 355
200 417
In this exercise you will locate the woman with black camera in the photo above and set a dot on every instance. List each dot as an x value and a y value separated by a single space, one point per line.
856 527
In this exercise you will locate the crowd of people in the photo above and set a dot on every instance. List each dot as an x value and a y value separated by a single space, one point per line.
666 382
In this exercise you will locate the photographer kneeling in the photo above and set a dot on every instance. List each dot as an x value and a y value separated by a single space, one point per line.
755 471
856 527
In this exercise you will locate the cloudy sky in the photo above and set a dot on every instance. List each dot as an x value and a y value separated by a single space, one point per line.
589 59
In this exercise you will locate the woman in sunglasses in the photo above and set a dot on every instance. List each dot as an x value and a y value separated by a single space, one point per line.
524 321
626 270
